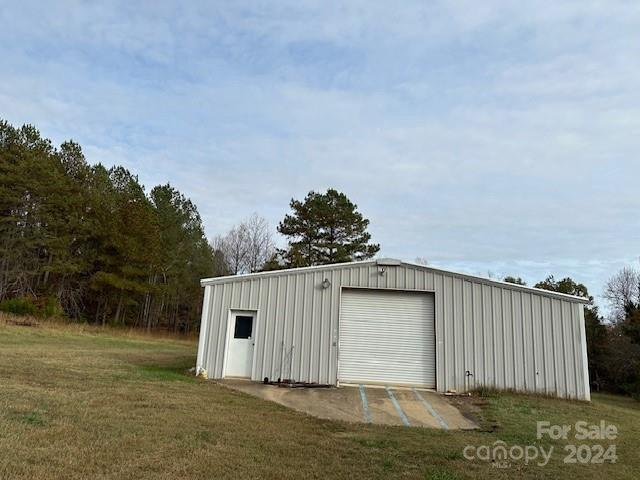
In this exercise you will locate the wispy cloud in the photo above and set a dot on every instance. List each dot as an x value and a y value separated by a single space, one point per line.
486 136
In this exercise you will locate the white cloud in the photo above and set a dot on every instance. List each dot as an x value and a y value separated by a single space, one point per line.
482 135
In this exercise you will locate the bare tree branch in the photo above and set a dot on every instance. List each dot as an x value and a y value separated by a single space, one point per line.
260 245
247 246
622 290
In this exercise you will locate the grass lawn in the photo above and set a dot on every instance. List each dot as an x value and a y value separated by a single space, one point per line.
77 403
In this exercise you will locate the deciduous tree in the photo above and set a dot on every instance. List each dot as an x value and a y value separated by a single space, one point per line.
621 290
246 247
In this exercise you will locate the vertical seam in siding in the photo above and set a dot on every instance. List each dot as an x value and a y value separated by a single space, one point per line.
453 324
256 371
504 339
542 344
302 326
574 358
443 368
465 361
470 331
524 346
484 344
564 352
311 328
265 329
493 339
285 311
321 335
294 321
533 336
553 348
513 338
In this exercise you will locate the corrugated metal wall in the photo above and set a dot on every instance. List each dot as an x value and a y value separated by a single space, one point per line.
506 337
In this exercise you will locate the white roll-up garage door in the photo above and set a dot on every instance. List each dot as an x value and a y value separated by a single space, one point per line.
387 337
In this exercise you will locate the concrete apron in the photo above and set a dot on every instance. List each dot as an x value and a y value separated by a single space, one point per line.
364 404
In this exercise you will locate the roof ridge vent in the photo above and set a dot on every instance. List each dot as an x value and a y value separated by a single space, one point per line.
388 262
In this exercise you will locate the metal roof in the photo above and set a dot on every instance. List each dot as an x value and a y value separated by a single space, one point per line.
385 262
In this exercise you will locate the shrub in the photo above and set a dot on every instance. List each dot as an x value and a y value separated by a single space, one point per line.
51 307
18 306
38 307
623 365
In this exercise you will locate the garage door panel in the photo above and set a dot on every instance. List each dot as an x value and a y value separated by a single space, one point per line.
387 337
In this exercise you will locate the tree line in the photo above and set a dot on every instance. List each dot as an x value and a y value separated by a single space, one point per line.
86 241
89 243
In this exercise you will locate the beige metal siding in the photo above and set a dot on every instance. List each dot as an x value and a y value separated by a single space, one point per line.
387 337
504 335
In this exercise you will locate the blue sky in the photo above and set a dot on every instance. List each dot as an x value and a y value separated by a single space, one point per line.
484 136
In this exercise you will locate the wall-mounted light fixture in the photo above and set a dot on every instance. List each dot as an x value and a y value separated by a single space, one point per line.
383 263
326 283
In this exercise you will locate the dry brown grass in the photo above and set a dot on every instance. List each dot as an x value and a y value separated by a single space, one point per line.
76 403
63 324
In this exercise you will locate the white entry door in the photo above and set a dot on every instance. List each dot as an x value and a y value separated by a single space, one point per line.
241 343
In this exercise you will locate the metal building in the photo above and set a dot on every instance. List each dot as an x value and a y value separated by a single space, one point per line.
393 323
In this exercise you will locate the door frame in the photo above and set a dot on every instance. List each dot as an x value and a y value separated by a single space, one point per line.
230 316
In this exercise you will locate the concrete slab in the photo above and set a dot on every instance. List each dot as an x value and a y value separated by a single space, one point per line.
415 410
419 408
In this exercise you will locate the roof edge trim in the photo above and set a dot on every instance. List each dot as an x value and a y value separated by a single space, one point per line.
514 286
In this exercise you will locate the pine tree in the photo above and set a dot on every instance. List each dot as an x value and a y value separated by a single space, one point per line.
325 228
91 240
